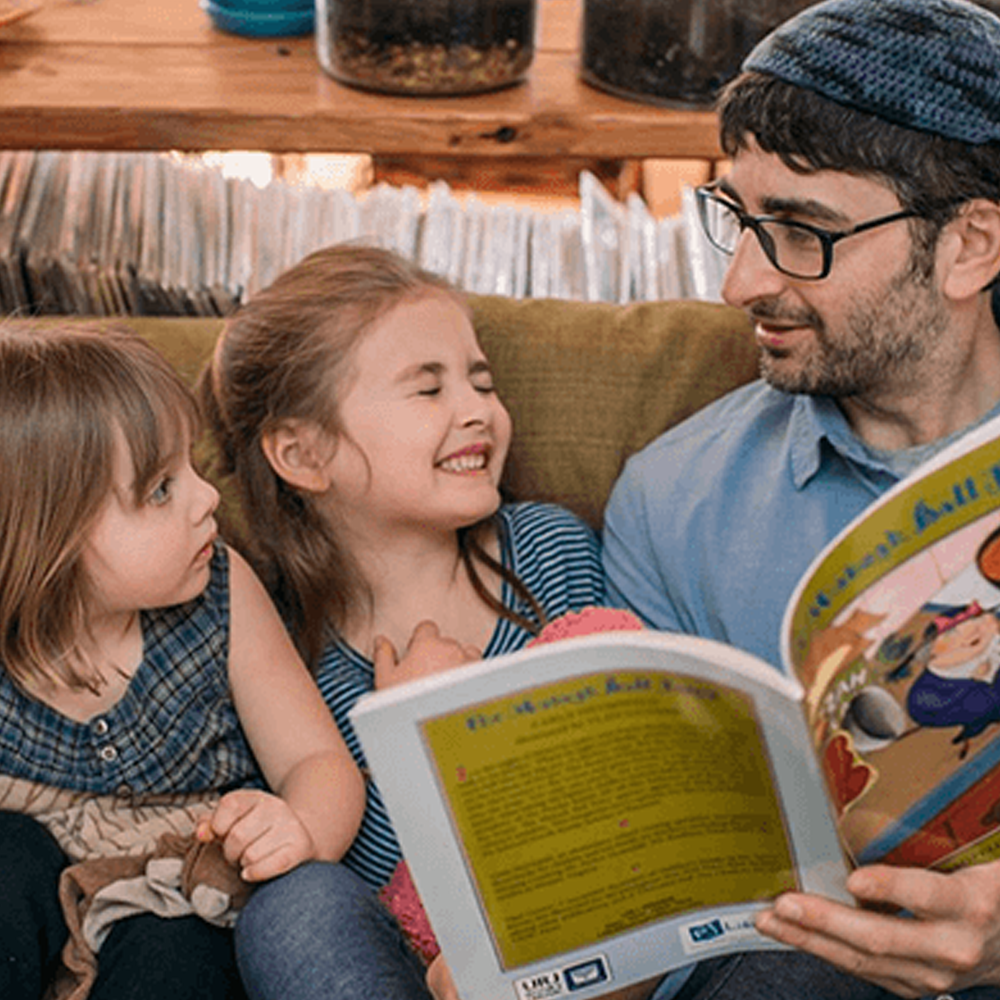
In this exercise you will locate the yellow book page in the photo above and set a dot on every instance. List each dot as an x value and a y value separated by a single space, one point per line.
597 805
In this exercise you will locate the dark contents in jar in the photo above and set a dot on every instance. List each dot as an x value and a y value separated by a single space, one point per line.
674 51
430 47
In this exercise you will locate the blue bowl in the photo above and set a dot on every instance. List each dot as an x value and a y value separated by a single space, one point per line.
255 7
255 24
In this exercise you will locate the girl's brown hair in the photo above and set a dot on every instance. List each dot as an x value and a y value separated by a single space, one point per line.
279 359
67 398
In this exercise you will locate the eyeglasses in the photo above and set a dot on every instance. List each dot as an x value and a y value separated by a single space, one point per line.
797 249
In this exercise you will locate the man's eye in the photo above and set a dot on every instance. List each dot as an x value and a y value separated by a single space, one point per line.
431 391
485 387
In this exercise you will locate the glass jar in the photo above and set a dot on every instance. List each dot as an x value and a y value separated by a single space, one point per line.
674 52
426 47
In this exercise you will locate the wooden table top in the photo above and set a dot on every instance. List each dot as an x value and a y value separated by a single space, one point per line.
132 75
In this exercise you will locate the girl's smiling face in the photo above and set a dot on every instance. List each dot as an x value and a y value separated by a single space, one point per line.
424 436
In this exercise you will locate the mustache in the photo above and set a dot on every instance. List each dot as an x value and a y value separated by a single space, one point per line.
772 311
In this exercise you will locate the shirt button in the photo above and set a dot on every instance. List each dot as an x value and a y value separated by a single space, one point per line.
123 791
109 754
101 727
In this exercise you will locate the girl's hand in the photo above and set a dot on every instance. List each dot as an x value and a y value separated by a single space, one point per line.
951 942
439 980
428 652
260 834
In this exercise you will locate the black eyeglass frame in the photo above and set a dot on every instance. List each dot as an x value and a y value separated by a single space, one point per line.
828 238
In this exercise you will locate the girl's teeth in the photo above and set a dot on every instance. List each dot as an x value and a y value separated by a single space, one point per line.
464 463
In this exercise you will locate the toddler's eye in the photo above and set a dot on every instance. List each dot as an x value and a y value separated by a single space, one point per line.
431 391
161 492
485 387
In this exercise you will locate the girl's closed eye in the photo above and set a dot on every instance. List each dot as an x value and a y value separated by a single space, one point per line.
482 379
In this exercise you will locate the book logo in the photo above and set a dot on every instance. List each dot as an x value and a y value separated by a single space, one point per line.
706 934
585 974
563 982
701 933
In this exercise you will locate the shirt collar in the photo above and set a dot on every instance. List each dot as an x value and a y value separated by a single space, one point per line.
816 419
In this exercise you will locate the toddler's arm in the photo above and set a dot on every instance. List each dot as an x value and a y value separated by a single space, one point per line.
319 794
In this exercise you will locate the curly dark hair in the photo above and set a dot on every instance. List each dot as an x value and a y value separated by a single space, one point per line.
929 174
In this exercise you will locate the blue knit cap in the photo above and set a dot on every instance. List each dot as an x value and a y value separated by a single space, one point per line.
930 65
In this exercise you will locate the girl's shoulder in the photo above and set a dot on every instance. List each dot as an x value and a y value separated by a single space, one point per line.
536 520
548 546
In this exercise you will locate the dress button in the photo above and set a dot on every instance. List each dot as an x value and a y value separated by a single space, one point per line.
123 791
109 754
101 727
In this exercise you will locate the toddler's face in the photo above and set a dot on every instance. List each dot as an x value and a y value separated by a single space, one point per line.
156 552
424 435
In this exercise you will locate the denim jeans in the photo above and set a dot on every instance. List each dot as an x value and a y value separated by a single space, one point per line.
144 957
789 975
321 933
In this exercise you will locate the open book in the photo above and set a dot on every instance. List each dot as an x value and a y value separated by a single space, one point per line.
587 814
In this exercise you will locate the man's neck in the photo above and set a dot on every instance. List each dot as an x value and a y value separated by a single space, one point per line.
955 393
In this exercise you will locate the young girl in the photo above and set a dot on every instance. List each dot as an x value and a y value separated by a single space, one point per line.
353 403
144 676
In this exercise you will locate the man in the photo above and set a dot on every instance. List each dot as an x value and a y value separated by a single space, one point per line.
862 213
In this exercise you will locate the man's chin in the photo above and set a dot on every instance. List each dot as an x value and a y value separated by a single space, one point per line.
779 373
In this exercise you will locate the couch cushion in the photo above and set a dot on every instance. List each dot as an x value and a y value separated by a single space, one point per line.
588 384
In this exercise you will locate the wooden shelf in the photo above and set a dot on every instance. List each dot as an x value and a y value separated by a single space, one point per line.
125 75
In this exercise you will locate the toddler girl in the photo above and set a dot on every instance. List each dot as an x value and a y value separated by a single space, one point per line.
353 403
149 693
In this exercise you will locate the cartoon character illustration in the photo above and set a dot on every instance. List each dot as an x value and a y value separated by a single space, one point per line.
959 685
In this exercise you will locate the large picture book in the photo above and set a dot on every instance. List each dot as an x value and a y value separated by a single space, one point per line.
586 814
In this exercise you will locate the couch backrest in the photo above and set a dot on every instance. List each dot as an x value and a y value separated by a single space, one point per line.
586 384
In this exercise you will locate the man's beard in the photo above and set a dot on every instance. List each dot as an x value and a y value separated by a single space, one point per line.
884 339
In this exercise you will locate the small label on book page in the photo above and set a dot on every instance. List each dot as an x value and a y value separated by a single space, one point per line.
565 981
706 935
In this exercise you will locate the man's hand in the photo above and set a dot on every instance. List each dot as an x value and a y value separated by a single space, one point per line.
952 940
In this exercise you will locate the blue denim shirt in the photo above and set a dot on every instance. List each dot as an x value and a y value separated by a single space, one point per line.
710 527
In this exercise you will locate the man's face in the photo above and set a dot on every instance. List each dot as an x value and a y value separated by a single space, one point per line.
872 325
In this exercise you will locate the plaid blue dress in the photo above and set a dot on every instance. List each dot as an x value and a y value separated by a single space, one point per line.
174 730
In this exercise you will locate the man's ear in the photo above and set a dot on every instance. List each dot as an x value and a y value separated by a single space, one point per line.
300 452
970 249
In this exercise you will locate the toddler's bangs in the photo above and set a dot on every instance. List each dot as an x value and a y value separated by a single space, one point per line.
158 421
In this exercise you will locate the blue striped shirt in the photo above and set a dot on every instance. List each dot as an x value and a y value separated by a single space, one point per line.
557 557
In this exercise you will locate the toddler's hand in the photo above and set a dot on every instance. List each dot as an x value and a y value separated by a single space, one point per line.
260 834
428 652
